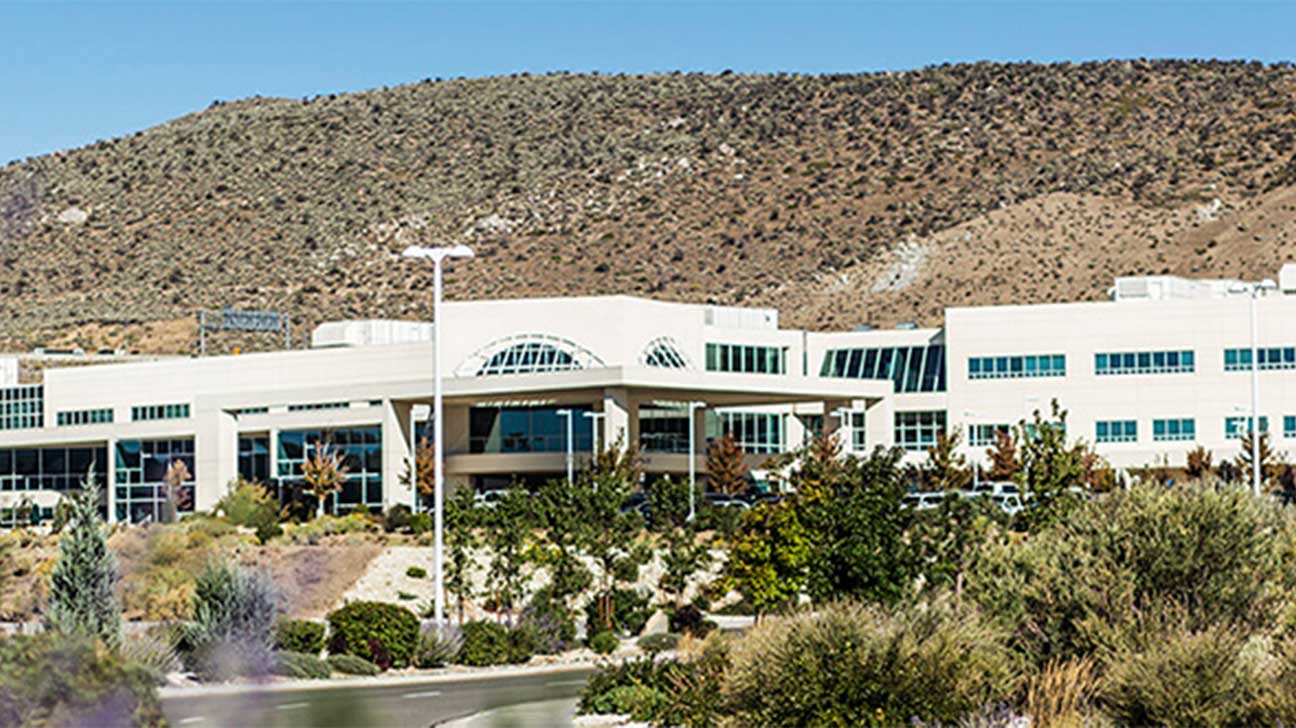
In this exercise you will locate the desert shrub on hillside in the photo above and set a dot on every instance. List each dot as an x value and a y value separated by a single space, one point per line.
438 647
299 635
384 634
299 666
850 664
352 665
234 614
484 643
1080 586
154 652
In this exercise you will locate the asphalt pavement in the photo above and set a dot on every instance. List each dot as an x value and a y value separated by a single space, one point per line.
397 701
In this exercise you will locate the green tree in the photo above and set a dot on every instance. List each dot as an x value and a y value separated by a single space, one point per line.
946 539
768 557
609 537
83 599
852 514
726 466
507 527
558 506
683 558
1049 467
250 504
461 519
668 503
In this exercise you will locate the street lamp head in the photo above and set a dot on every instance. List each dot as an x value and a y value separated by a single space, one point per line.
451 251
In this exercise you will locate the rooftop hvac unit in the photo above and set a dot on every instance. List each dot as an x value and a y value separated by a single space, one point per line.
373 332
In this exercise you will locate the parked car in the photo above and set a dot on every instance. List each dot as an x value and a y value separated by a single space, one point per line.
1009 503
720 500
922 501
487 498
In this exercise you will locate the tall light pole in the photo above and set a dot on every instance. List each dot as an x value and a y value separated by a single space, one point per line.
692 446
437 256
1255 290
596 420
568 414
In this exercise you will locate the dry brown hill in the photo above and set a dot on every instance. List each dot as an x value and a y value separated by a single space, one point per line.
839 199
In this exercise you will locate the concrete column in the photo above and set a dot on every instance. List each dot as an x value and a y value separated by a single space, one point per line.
880 423
457 435
397 453
273 435
110 475
617 422
215 455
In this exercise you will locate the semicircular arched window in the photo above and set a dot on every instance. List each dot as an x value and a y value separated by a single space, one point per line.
528 354
665 352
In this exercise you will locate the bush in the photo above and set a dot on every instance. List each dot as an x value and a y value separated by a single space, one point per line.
53 679
654 643
663 692
82 587
1075 588
553 627
420 523
154 653
604 643
397 518
299 635
299 665
384 634
484 643
630 612
233 628
849 664
1187 679
352 665
438 647
251 505
416 572
688 619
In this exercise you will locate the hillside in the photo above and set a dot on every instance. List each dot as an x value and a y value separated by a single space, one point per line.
839 199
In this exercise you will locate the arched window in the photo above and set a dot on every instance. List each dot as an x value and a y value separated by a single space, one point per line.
528 354
665 352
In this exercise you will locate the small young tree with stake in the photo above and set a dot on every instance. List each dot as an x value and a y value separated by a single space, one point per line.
177 475
324 472
83 599
424 468
726 469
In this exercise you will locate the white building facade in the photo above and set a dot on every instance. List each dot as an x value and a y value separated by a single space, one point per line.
1147 376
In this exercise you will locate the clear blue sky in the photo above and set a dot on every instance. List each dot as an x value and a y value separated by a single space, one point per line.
71 73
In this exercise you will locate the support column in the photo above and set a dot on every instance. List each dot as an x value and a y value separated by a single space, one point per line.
273 435
397 454
618 425
215 455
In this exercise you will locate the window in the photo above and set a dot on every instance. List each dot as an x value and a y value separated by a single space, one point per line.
528 354
1116 431
51 468
857 432
1281 357
361 451
665 352
22 407
746 359
254 458
983 435
663 428
1235 427
1289 425
159 412
84 417
812 426
917 431
755 432
141 466
1017 366
527 429
252 411
310 406
1143 362
1174 429
910 368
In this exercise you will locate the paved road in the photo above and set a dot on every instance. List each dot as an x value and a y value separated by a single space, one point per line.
404 702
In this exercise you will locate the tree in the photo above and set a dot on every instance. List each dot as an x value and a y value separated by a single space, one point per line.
1049 467
460 529
250 504
668 503
559 505
946 469
507 529
683 558
1003 457
607 535
1270 461
726 466
1198 463
83 599
324 472
768 556
947 538
173 502
424 467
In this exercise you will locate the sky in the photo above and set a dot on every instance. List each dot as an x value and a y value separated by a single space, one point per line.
73 73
